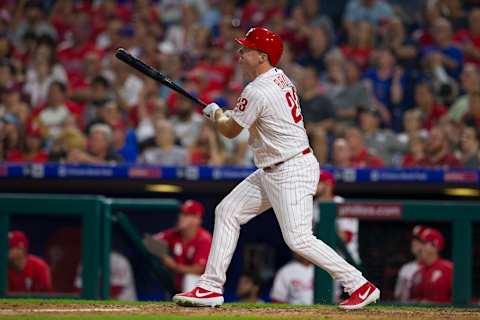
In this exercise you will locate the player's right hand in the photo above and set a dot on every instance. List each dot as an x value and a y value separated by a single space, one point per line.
209 111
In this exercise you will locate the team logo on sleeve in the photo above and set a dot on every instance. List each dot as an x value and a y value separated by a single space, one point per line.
241 104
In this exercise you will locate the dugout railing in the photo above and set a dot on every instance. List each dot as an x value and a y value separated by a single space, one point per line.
96 214
460 215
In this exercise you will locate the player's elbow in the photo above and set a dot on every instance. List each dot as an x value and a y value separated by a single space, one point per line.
230 134
230 128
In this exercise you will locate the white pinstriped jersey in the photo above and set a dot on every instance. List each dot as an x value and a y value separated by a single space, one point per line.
270 108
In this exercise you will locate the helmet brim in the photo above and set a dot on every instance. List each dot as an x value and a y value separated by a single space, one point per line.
245 43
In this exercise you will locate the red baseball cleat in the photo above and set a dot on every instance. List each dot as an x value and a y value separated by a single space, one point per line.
361 297
198 297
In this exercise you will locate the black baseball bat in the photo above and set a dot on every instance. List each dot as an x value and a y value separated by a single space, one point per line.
153 73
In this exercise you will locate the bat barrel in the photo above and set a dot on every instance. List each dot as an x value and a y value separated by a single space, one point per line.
151 72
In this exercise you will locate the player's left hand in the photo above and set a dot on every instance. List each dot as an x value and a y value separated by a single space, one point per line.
209 111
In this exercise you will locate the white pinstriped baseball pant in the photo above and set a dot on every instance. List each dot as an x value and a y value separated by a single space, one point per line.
289 189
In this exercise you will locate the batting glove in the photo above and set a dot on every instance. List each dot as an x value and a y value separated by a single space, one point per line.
209 111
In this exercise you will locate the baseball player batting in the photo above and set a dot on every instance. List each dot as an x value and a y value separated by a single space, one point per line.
286 178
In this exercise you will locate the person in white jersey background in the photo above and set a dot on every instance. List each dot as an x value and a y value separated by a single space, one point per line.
293 283
286 178
404 282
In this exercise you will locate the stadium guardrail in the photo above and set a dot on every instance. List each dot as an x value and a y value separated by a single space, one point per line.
93 214
97 214
195 173
461 215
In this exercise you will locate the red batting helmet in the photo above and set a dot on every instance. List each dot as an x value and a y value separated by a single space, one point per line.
434 237
192 207
264 40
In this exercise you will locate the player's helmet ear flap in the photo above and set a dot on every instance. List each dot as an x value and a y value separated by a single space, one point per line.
264 40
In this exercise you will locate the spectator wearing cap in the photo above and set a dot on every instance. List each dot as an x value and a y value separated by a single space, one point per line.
383 141
403 285
432 283
27 273
188 246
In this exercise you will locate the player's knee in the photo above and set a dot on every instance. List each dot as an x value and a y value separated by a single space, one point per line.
223 209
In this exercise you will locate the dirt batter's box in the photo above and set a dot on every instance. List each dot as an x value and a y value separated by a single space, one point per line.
462 216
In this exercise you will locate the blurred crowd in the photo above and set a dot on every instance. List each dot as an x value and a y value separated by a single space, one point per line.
381 83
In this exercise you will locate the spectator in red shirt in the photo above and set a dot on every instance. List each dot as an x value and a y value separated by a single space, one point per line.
26 273
32 152
425 102
438 153
469 40
188 246
432 283
360 43
361 157
71 53
415 153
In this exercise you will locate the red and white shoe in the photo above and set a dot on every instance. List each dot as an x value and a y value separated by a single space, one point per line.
198 297
361 297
